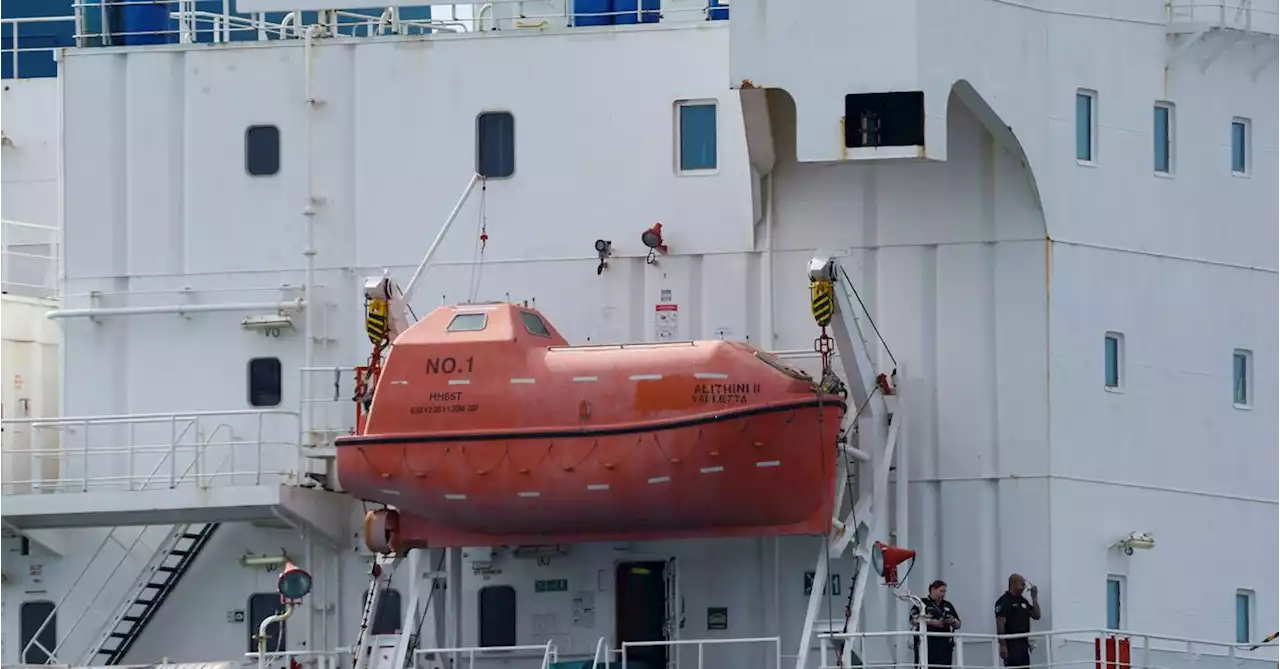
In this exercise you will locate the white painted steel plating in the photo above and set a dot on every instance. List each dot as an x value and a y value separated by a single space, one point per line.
34 249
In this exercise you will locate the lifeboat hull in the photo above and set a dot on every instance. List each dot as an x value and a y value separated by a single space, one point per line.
502 436
759 471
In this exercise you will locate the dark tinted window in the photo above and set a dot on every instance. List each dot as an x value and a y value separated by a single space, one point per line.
264 382
468 322
534 325
389 618
495 145
497 616
262 150
33 615
262 606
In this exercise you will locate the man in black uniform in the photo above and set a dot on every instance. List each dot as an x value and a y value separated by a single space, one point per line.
939 616
1013 616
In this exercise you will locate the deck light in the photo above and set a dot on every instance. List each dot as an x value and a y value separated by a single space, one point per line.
294 583
885 560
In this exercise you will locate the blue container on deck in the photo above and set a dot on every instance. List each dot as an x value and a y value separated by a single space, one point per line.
144 22
625 11
718 11
592 12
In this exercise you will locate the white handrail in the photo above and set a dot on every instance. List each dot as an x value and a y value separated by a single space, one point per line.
701 644
1092 648
172 437
549 652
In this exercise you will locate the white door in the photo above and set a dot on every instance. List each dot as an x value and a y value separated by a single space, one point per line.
673 618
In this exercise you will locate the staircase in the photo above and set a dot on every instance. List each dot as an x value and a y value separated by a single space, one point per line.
150 591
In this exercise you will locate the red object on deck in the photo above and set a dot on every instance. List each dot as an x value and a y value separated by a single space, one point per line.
1116 654
487 429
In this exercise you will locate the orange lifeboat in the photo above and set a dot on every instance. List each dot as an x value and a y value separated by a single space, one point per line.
486 428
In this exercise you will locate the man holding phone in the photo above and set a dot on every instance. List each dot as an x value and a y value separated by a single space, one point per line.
1013 616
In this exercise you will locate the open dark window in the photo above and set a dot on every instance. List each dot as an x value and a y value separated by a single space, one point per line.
884 119
262 150
33 627
389 619
264 382
497 616
262 606
495 145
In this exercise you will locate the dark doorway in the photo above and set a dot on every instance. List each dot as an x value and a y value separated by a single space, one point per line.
641 615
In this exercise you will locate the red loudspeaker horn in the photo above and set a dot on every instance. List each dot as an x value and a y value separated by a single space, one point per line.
885 560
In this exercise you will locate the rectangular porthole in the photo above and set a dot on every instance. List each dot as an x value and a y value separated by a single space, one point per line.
1113 360
495 145
1086 126
262 150
1163 131
1241 156
696 136
1242 378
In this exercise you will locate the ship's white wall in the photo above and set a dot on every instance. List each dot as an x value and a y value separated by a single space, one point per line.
30 164
30 388
949 271
998 330
956 282
1185 269
1182 261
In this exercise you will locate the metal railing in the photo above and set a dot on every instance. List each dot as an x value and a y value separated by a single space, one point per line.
51 33
199 449
189 21
28 258
1094 648
309 659
1246 15
328 403
548 653
701 644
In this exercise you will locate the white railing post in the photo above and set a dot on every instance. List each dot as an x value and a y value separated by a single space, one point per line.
14 43
85 440
173 452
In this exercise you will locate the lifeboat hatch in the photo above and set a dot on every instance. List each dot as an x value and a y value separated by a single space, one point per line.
642 608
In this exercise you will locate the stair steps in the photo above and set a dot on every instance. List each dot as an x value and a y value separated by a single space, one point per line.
154 590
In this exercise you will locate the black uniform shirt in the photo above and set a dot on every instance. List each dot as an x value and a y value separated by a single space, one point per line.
933 611
1016 612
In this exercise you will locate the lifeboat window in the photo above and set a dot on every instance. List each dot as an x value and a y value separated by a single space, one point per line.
261 606
389 619
534 325
776 363
33 628
468 322
497 616
264 382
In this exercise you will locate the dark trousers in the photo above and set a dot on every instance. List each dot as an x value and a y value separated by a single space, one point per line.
940 652
1019 653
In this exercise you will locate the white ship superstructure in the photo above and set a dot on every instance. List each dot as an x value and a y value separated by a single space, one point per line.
1058 216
